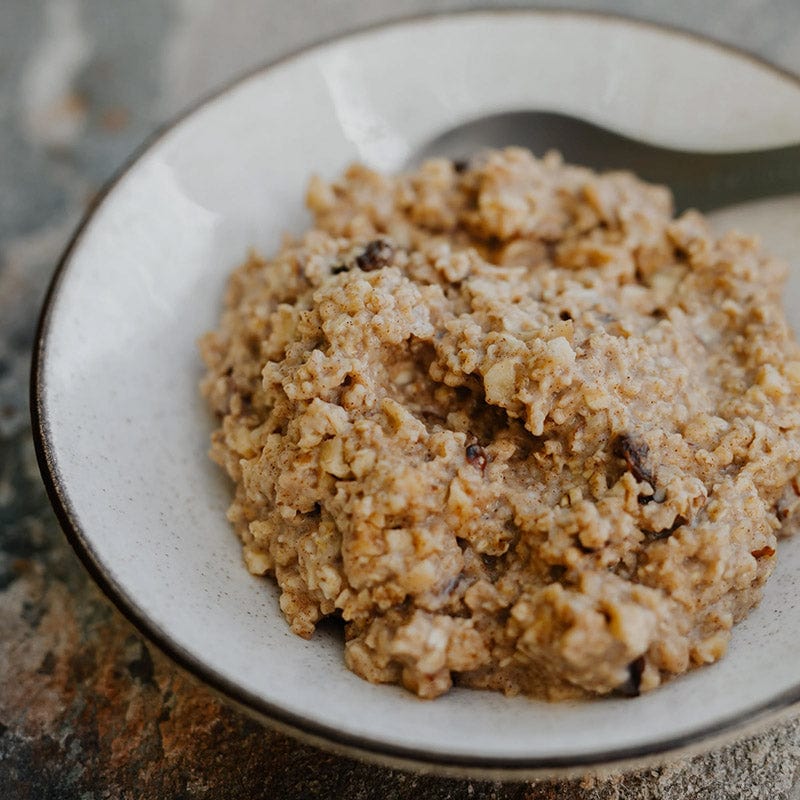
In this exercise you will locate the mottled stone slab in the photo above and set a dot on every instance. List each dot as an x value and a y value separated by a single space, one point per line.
87 709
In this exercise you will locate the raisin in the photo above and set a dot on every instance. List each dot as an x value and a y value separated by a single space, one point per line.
493 565
763 552
630 688
377 255
557 572
460 165
635 454
338 269
667 532
476 456
565 315
494 242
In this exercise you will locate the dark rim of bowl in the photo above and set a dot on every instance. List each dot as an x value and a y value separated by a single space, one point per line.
297 725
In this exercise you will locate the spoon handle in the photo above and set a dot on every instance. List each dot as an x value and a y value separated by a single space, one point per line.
701 180
712 180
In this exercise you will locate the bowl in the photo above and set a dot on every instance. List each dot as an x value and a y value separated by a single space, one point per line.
122 432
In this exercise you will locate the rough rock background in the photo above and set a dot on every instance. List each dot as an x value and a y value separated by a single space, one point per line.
87 708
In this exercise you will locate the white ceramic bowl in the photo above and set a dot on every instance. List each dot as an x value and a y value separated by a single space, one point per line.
122 432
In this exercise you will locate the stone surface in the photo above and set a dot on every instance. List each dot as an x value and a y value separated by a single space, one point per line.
88 709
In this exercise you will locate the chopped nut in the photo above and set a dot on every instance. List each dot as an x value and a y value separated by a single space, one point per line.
630 688
331 458
499 381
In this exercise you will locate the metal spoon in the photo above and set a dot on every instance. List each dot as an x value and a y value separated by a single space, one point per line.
698 180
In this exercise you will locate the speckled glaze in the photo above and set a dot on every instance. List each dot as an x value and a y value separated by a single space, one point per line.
123 432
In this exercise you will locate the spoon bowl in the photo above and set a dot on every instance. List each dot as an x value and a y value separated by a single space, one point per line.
701 180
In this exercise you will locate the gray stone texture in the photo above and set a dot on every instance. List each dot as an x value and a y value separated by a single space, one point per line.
87 708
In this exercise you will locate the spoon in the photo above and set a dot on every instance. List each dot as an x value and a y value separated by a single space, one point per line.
704 181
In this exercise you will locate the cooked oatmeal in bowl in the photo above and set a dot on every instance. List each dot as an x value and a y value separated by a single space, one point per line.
515 424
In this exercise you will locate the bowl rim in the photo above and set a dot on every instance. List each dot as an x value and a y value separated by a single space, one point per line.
303 728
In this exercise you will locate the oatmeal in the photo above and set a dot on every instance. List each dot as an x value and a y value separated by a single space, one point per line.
515 424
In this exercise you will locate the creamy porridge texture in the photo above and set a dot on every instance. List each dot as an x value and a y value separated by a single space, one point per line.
513 422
